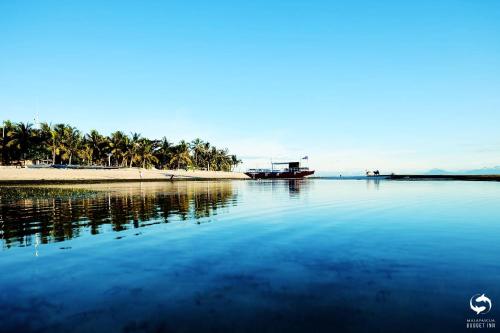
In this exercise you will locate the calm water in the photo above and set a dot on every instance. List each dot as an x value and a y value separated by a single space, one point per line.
283 256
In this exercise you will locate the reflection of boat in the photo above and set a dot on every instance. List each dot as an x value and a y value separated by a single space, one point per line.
293 170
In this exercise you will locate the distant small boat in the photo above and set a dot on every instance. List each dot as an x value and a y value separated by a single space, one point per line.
376 174
292 171
373 173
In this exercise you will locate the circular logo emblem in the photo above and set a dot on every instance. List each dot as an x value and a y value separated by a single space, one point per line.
480 304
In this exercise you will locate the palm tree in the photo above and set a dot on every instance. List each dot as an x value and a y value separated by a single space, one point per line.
105 152
66 143
133 148
145 153
212 158
70 141
164 152
224 160
21 137
85 153
58 133
2 145
118 146
235 162
97 142
206 155
181 156
6 150
198 149
50 137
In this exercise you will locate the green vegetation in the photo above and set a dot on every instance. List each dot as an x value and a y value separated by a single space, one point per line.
15 193
64 144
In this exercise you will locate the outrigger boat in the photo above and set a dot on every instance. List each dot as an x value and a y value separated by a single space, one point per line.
293 170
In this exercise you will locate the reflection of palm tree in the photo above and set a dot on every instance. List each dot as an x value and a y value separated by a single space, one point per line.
119 209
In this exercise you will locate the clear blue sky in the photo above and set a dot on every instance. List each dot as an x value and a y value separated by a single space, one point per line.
394 85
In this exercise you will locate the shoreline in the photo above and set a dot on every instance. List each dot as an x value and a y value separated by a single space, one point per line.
494 178
12 175
39 176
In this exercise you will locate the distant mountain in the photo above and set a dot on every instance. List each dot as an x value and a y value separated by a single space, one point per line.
484 171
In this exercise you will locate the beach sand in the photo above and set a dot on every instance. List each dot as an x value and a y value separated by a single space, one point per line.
37 175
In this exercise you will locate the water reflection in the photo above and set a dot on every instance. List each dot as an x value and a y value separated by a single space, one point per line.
38 215
317 255
373 184
293 186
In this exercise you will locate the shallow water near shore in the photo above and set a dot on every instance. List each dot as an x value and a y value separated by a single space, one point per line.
314 255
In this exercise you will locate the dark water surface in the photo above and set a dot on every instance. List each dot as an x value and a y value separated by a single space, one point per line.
283 256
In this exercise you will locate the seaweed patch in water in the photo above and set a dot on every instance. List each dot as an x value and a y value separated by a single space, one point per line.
21 193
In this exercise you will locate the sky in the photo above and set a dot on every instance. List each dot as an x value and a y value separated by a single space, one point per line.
397 86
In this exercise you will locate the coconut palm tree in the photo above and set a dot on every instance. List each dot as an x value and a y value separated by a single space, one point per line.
51 138
223 160
198 148
66 144
212 158
164 152
21 137
205 156
181 156
133 148
105 151
234 162
2 145
85 153
7 127
97 142
145 153
118 146
71 141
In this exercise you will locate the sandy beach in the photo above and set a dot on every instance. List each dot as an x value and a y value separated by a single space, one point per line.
40 175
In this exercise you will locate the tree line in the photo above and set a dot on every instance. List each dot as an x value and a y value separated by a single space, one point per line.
65 144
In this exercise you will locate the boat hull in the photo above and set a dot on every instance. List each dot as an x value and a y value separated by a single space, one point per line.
279 175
